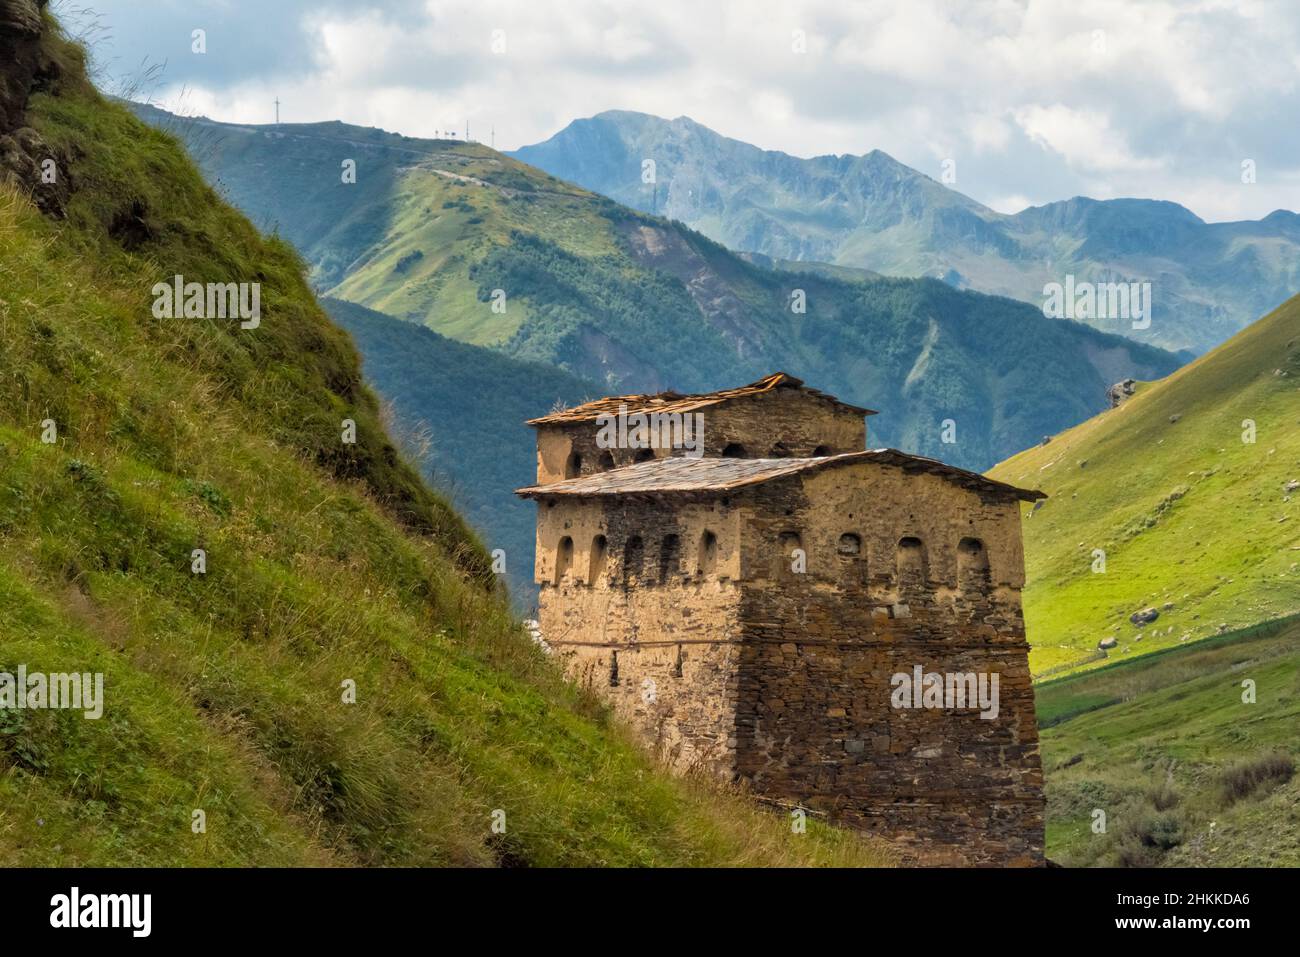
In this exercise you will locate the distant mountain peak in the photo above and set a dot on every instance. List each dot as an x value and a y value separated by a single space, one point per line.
871 211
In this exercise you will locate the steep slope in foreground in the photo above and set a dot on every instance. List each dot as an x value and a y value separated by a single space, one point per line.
1191 488
487 250
224 691
1209 279
1187 772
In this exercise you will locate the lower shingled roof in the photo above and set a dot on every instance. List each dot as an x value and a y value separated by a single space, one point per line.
684 475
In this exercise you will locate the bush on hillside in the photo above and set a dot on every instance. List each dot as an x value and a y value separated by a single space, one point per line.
1247 778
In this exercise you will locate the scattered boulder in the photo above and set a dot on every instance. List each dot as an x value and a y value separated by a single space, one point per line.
1120 391
1175 417
23 158
1291 486
1107 643
1144 617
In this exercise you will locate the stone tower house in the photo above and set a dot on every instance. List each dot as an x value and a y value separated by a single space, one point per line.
772 602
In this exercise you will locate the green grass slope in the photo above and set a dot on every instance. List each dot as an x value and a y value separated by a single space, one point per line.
1195 520
1185 771
437 232
326 564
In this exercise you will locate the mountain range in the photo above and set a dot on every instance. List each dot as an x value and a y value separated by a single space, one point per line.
489 251
516 290
1209 280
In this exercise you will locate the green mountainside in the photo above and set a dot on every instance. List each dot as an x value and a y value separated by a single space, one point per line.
1209 279
486 250
1190 765
462 410
129 440
1190 488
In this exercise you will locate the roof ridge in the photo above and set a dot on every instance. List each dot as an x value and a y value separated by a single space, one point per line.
594 408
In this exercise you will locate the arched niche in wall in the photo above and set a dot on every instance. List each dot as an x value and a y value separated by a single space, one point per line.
791 561
563 559
707 560
972 564
911 564
852 557
670 557
633 560
598 559
573 465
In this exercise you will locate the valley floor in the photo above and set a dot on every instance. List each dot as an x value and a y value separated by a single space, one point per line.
1175 758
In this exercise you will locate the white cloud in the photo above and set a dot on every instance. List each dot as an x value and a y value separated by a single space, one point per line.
987 132
1036 100
1084 138
1010 204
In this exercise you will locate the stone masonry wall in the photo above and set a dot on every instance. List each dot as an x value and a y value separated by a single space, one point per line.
815 722
783 423
671 629
740 664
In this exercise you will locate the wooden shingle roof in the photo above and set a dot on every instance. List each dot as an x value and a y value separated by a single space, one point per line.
682 475
678 402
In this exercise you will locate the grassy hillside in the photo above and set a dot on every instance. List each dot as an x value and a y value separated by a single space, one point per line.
326 564
1195 519
1186 772
463 408
437 232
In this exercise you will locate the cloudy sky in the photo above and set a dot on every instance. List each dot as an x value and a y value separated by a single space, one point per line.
1034 100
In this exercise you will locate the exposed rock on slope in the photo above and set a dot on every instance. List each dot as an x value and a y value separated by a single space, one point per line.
24 156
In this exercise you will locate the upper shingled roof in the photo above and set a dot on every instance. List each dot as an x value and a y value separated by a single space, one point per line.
677 402
684 475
